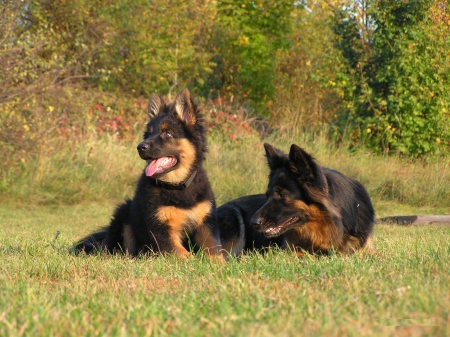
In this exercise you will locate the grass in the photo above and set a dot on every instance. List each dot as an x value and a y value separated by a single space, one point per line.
54 199
103 168
48 291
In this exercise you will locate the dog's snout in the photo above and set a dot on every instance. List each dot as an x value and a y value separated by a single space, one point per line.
256 222
142 147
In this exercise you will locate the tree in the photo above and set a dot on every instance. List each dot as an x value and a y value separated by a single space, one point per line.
157 45
305 74
247 37
399 76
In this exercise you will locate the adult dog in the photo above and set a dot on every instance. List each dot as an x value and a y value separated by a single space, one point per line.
307 207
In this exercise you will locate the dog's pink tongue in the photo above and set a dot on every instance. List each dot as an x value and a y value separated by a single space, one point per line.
159 165
151 168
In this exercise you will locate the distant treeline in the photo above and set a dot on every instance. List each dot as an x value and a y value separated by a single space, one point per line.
374 73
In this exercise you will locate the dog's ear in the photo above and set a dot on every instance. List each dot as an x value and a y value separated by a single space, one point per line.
184 107
303 164
155 105
275 157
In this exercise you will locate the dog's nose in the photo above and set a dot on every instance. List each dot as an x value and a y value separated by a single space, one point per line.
255 222
142 147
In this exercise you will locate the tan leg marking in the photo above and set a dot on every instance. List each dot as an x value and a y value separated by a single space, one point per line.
206 241
300 253
368 248
179 249
186 220
350 244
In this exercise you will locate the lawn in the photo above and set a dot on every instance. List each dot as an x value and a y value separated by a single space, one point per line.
47 291
49 202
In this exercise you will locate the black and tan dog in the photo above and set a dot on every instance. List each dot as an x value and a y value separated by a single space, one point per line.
173 209
307 208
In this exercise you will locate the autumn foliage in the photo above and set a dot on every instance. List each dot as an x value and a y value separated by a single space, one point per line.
371 73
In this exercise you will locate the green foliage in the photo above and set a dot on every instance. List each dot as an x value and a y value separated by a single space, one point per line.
375 72
397 73
156 46
305 69
132 46
248 34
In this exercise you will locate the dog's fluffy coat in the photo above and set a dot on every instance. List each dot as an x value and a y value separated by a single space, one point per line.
307 207
173 209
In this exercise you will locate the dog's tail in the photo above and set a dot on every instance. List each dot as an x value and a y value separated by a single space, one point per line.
93 242
109 238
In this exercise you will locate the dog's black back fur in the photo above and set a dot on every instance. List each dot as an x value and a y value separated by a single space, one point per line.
353 204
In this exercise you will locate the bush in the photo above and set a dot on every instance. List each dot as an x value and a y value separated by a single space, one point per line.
397 76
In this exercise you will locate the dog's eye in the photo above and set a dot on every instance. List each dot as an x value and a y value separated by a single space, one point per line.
166 135
284 194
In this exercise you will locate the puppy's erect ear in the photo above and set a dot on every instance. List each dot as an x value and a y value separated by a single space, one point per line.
275 158
184 107
302 163
155 105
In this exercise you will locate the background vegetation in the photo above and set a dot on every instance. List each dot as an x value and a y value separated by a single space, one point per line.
374 73
371 77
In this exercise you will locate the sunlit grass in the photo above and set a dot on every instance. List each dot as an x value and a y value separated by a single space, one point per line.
57 198
46 290
104 169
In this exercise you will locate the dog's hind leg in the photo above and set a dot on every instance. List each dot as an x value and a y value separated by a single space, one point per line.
111 237
209 243
232 229
120 235
368 248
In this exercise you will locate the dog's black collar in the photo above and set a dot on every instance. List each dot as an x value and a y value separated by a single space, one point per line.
170 186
